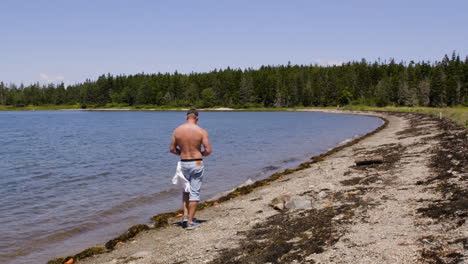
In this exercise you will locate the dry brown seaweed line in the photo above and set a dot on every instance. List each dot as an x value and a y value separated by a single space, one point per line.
293 236
450 156
454 192
272 241
415 128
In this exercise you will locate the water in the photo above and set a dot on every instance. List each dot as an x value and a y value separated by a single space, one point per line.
75 179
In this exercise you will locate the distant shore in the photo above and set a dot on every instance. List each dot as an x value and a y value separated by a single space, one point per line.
458 114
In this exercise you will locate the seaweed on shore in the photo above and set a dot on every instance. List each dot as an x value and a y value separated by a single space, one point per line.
449 164
416 129
450 160
391 153
131 233
83 254
294 236
360 180
454 206
284 238
437 255
162 220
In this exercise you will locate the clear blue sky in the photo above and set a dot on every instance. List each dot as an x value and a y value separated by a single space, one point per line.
73 40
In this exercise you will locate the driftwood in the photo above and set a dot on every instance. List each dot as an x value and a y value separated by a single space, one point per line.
369 160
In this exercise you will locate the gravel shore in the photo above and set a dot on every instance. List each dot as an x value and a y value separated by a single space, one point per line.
409 209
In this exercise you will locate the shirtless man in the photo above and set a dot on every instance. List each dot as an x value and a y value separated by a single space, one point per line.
187 142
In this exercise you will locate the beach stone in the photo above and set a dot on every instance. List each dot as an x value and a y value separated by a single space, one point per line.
351 193
278 202
218 246
298 203
141 254
322 194
338 217
278 206
328 187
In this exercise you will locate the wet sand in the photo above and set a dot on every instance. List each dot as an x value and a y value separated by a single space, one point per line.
410 209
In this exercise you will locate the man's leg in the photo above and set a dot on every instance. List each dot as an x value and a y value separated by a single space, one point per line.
192 209
196 177
185 203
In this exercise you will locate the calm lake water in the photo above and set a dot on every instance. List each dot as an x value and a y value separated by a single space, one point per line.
75 179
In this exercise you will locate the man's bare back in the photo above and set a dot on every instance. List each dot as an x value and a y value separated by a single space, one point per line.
187 142
188 139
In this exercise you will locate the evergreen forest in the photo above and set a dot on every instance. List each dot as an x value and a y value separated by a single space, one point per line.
438 84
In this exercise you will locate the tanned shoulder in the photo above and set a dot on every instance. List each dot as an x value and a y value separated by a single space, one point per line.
204 132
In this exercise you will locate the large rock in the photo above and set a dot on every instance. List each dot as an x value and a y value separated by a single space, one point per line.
287 202
278 202
298 203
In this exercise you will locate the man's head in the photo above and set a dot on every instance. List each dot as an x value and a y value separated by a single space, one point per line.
192 114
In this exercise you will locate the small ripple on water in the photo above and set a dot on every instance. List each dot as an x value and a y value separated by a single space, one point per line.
290 160
41 176
138 201
270 168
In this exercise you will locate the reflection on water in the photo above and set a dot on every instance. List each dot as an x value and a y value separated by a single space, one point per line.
72 179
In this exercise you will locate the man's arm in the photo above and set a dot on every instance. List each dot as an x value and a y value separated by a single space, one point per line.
206 144
173 148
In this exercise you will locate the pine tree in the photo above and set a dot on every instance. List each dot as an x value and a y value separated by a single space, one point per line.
2 93
381 92
208 98
423 92
246 90
307 94
464 89
438 95
453 91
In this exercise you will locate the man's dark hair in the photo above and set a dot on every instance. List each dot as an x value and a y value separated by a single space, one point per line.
192 112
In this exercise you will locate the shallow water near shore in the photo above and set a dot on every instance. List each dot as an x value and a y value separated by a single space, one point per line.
75 179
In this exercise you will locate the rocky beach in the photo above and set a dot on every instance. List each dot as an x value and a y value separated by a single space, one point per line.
409 205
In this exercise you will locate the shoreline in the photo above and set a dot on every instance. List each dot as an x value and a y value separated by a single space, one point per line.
166 219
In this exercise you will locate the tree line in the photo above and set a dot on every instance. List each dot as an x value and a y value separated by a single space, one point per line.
441 83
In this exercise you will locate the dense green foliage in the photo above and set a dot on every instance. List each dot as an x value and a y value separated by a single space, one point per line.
440 84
